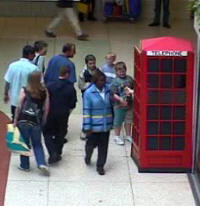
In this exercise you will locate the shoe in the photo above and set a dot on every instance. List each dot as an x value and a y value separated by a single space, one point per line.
101 171
23 169
87 161
92 18
44 170
52 160
82 37
167 26
65 140
49 34
118 140
128 138
154 24
83 136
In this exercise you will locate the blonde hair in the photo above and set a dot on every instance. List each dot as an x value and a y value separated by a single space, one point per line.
110 54
120 66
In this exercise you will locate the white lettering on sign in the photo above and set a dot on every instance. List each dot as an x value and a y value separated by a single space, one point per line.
167 53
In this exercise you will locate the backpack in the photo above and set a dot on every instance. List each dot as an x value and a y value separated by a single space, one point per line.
31 111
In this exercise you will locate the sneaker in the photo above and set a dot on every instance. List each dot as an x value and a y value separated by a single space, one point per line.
128 138
118 140
83 136
167 26
54 159
44 170
101 171
49 34
82 37
87 161
23 169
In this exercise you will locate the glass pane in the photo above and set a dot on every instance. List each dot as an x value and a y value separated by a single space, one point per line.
179 128
152 128
165 143
153 97
165 113
180 65
180 81
179 113
165 128
166 65
178 143
152 143
152 113
166 81
153 81
166 97
179 97
153 65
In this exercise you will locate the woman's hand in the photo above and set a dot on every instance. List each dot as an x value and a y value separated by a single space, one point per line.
128 91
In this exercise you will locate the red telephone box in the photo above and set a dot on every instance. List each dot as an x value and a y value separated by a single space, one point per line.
163 105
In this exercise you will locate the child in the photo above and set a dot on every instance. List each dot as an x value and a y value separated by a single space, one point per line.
122 103
109 68
85 77
40 52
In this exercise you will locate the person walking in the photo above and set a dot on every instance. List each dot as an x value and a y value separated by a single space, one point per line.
60 60
62 100
156 21
16 77
97 120
66 10
30 115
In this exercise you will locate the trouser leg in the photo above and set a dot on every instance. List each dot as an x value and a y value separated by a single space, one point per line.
165 11
13 109
102 148
91 143
157 11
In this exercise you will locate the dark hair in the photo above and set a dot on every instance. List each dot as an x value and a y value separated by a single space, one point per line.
39 45
64 70
27 50
35 87
68 47
97 75
120 65
90 57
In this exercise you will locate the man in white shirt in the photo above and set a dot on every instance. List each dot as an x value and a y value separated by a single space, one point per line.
16 77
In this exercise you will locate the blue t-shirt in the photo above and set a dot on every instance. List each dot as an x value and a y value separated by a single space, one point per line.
55 63
17 76
109 71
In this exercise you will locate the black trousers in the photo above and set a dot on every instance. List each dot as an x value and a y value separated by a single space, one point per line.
54 132
99 140
157 10
13 109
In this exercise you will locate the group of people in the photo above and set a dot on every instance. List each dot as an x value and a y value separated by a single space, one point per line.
42 100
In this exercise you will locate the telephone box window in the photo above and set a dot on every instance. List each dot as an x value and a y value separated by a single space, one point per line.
152 128
152 143
165 113
166 65
180 65
153 65
153 113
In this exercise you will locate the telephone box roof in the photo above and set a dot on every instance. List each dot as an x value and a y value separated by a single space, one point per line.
166 43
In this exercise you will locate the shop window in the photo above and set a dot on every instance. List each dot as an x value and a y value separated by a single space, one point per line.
165 113
153 97
179 143
152 128
165 128
166 65
152 113
153 81
180 65
165 143
152 143
179 128
153 65
166 81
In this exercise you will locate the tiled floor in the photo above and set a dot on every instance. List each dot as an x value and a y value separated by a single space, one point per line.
71 182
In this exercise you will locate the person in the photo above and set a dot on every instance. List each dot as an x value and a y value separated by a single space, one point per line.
66 10
97 120
90 16
16 77
156 21
122 103
85 78
30 115
60 60
108 68
40 52
62 100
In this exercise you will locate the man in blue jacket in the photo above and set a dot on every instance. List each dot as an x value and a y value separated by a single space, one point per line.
63 99
60 60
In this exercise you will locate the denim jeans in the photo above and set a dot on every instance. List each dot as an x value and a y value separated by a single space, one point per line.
32 134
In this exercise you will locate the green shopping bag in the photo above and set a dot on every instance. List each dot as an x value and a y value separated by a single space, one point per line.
15 142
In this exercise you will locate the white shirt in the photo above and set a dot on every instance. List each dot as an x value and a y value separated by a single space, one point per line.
102 93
